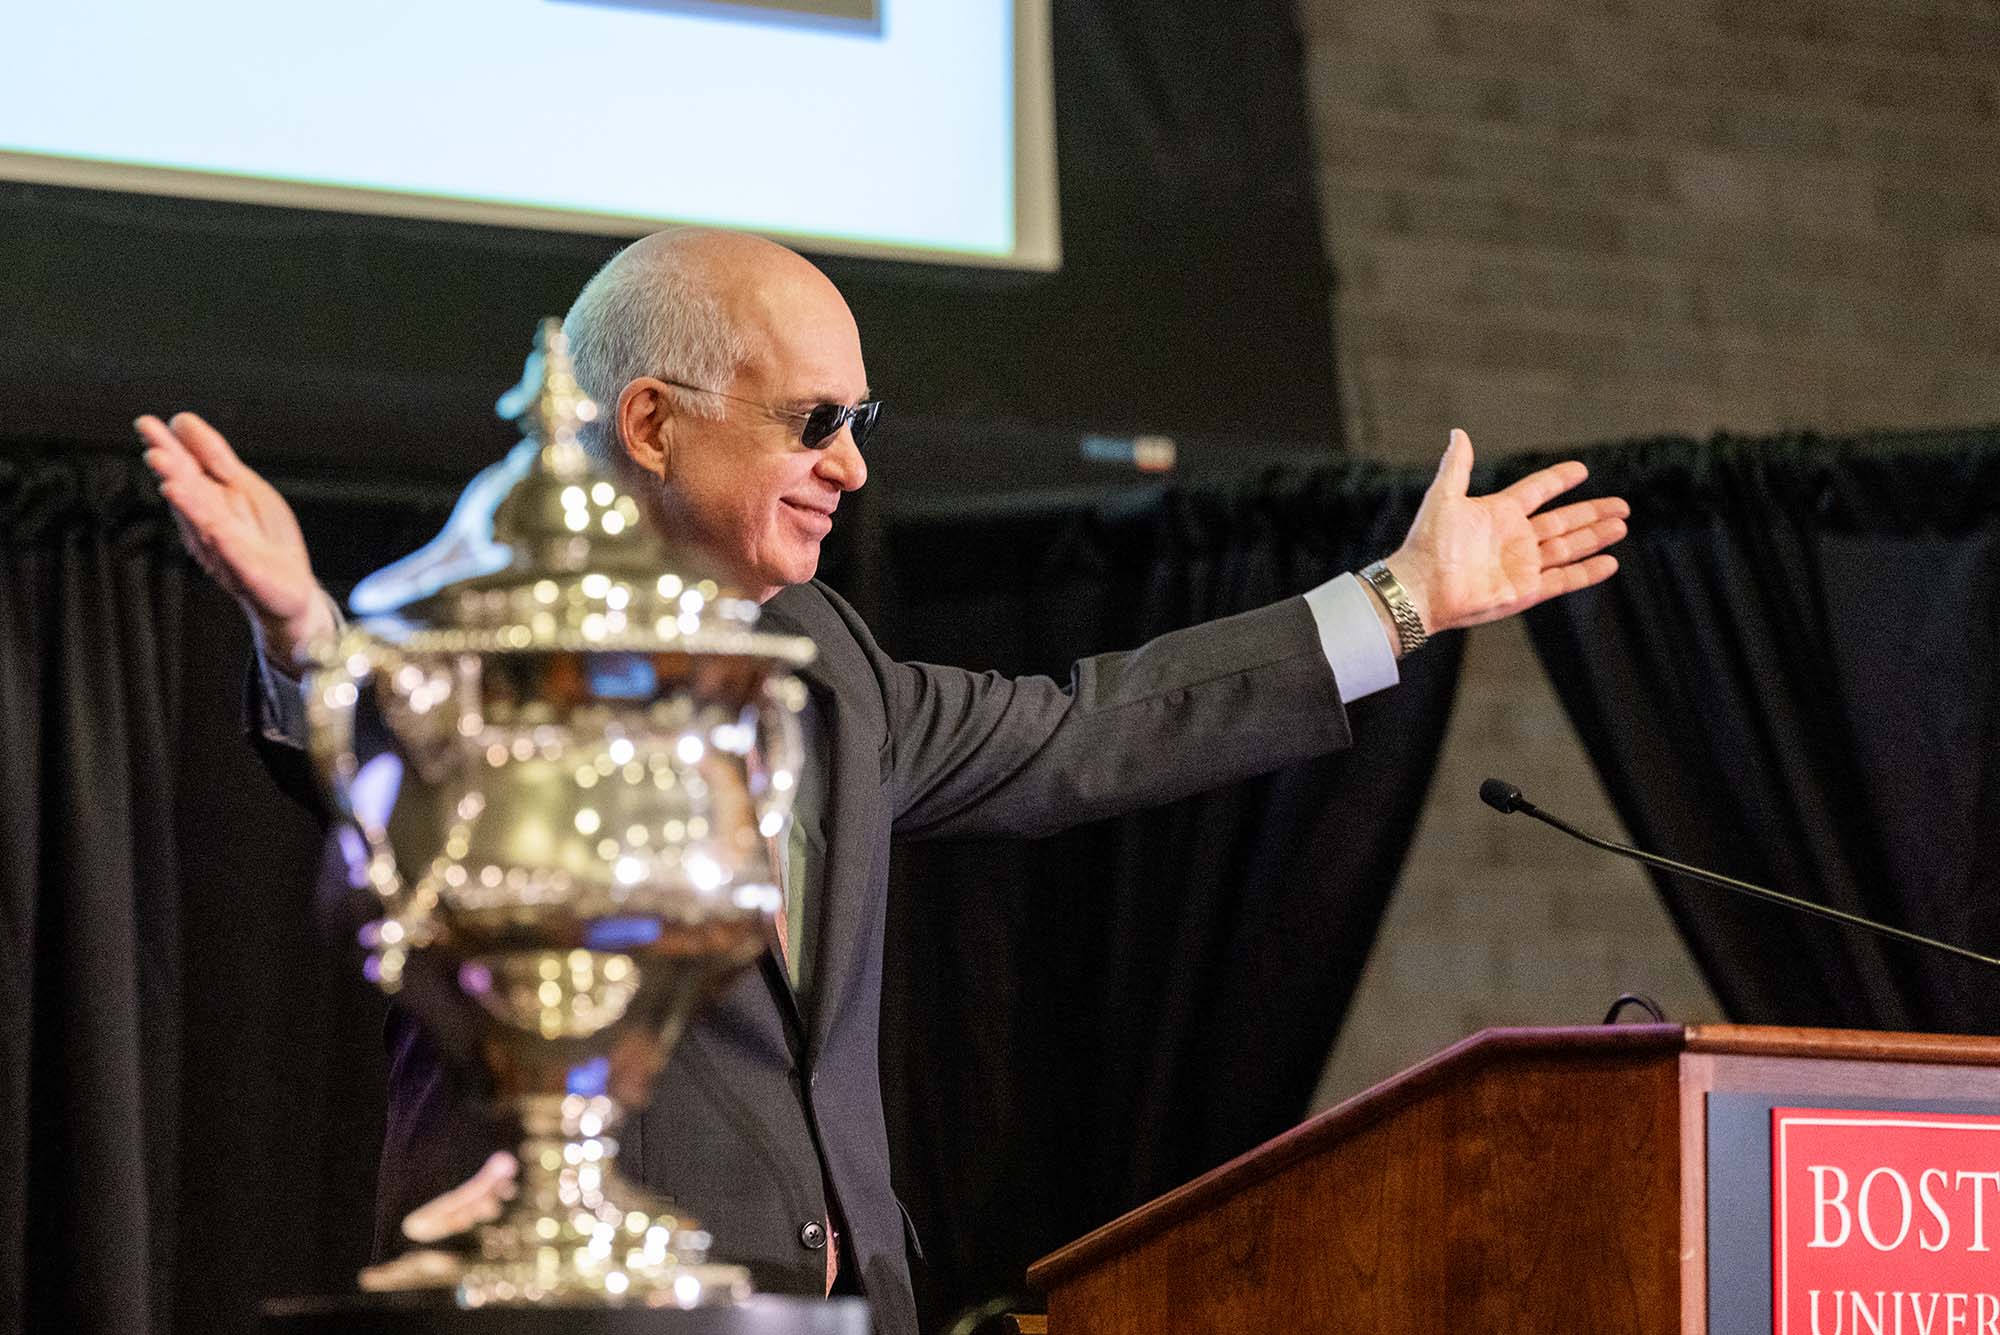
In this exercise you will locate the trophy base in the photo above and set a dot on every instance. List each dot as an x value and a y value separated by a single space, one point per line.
436 1314
577 1231
557 1280
573 1231
580 1278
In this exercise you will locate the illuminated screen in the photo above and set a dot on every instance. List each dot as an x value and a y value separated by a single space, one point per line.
914 128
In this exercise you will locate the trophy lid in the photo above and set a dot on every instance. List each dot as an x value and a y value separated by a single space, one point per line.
546 550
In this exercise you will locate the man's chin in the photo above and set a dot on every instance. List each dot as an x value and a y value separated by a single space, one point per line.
797 568
804 569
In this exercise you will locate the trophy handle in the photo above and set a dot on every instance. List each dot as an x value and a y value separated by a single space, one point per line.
333 690
781 749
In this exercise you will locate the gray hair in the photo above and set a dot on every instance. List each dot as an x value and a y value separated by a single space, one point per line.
651 310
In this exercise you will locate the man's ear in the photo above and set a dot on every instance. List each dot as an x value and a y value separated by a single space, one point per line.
645 424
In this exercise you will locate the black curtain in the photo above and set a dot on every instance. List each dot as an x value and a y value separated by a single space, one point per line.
89 706
1074 1025
191 1085
1793 681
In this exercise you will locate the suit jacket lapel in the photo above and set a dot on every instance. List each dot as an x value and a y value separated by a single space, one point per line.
853 771
787 1000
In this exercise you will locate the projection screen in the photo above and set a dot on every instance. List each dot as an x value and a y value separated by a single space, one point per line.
917 129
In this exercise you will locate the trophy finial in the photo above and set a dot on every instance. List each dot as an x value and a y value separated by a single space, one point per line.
549 406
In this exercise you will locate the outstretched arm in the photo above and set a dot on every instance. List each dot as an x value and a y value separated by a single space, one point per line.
241 531
1473 559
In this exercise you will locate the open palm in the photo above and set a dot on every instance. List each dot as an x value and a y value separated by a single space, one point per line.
240 530
1473 559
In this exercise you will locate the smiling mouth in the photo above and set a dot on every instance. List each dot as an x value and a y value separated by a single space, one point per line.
824 513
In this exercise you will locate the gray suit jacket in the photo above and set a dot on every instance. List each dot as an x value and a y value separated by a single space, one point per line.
765 1107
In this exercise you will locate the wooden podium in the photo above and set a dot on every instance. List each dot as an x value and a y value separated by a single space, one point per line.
1546 1180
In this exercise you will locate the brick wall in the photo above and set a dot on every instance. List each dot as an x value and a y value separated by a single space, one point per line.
1568 221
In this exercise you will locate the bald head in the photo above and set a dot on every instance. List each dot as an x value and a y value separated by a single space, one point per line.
689 303
735 263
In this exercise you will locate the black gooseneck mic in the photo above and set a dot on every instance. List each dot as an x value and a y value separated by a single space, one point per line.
1506 799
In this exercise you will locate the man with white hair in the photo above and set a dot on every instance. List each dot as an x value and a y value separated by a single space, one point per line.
734 397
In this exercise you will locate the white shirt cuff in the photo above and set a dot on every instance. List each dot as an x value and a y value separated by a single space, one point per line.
1351 636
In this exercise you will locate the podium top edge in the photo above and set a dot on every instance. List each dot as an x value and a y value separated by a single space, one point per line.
1754 1040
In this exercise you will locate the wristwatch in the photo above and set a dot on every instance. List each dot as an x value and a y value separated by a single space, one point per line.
1410 632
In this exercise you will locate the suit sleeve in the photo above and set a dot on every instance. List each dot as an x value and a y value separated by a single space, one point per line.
276 729
274 717
983 754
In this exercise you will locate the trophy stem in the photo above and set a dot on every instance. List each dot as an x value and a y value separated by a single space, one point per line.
578 1232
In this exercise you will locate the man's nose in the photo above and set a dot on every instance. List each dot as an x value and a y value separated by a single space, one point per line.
841 463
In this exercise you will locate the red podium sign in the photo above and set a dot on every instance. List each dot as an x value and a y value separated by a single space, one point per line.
1884 1223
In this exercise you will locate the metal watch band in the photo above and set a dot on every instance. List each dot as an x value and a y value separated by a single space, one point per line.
1410 630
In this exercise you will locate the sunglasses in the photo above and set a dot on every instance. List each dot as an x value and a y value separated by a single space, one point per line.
818 424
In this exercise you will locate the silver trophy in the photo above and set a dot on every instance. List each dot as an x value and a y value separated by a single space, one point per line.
588 750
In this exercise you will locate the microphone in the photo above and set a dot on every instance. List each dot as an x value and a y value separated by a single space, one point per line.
1506 799
1503 797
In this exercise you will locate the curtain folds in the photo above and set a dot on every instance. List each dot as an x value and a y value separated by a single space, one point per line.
88 708
190 1084
1792 681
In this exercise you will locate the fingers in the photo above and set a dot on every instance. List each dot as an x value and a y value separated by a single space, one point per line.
1538 488
191 454
474 1201
164 453
182 477
1582 514
191 497
1576 575
209 449
1581 542
194 497
167 447
1555 581
153 431
1572 532
202 501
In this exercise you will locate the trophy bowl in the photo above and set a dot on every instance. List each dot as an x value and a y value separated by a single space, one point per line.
585 751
